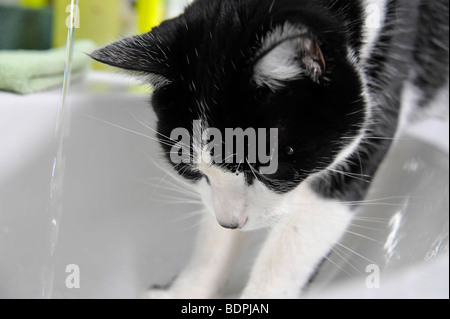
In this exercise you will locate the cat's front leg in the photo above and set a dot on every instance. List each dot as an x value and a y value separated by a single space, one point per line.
295 247
209 266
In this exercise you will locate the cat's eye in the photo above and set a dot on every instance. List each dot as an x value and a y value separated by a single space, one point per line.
289 151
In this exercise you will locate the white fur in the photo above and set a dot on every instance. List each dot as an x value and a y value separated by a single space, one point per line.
296 245
229 197
278 63
301 236
226 197
278 66
209 266
410 113
410 97
438 107
304 228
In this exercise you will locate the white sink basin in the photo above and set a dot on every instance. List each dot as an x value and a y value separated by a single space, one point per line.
124 228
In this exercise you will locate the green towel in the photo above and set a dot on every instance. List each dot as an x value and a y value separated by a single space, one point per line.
26 72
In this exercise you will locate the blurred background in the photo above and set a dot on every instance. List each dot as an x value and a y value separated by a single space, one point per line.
39 25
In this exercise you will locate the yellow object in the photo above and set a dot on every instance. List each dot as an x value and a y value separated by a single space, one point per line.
151 13
34 3
103 20
98 20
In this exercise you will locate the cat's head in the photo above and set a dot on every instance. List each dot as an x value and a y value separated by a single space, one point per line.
250 64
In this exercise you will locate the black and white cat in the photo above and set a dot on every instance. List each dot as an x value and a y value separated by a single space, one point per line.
330 75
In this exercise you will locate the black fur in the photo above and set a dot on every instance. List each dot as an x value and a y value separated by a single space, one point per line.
207 56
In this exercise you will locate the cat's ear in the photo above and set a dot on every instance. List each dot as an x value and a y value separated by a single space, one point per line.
288 53
147 54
